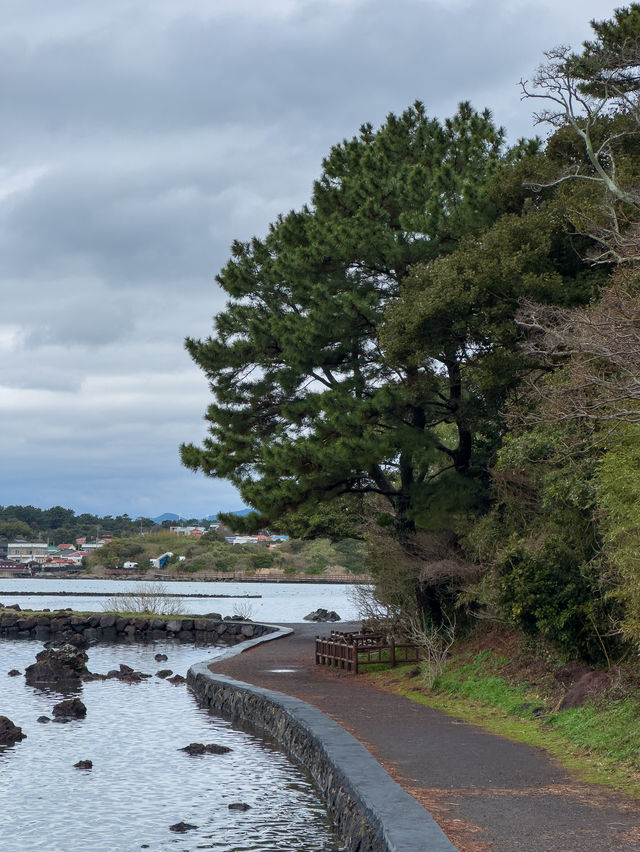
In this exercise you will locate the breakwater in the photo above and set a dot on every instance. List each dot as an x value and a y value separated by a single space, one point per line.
64 625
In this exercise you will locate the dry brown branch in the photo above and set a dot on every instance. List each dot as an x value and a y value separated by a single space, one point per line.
592 107
599 349
147 598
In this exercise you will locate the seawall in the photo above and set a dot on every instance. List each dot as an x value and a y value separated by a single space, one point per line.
372 812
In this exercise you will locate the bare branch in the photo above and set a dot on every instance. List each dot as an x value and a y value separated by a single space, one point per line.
598 349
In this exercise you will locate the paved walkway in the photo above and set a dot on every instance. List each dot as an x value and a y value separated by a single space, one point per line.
486 792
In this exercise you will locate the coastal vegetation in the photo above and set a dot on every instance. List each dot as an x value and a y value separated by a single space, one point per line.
441 349
58 525
146 599
210 554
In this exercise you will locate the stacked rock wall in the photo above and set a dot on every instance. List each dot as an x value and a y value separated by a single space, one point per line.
371 812
110 627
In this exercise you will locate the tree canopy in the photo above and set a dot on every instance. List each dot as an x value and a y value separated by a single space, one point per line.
308 404
369 338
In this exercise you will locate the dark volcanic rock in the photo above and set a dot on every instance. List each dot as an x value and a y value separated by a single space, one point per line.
9 733
177 679
530 708
78 641
43 719
589 684
200 748
160 658
570 673
126 674
239 806
181 827
134 677
164 673
14 673
94 676
83 764
71 708
58 665
322 615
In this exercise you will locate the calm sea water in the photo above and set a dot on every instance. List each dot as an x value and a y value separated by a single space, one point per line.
141 783
278 602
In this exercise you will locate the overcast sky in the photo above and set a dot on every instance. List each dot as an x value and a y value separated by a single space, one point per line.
138 138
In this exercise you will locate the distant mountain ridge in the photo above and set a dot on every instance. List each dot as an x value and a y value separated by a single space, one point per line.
171 516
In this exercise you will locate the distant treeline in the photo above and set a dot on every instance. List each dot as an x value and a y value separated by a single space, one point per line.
60 525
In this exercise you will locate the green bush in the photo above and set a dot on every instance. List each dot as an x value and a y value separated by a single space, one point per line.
619 494
550 591
541 542
263 559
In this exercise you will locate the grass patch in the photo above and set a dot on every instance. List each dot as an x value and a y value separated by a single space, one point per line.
598 742
612 731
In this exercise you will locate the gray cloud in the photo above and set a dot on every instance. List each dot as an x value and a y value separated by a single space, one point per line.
138 140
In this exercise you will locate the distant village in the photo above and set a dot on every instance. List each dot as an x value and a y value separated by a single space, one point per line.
22 557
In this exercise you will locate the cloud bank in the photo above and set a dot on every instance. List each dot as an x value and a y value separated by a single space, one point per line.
138 140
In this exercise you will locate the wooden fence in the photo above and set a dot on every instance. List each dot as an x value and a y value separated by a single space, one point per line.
351 651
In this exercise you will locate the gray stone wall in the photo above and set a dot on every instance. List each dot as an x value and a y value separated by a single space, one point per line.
110 627
372 812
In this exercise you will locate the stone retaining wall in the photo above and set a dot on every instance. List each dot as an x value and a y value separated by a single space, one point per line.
109 627
372 812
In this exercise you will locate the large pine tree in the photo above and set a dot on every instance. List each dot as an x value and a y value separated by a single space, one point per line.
306 403
312 399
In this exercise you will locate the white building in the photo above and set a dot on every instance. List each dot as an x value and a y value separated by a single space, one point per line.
188 531
27 551
89 548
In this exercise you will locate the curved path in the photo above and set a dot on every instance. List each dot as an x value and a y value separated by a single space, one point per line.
486 792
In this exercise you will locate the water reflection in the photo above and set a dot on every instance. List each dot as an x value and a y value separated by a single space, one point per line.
141 783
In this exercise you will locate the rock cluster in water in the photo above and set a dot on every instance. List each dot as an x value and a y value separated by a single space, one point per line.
181 827
65 665
9 733
200 748
126 674
322 615
70 708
